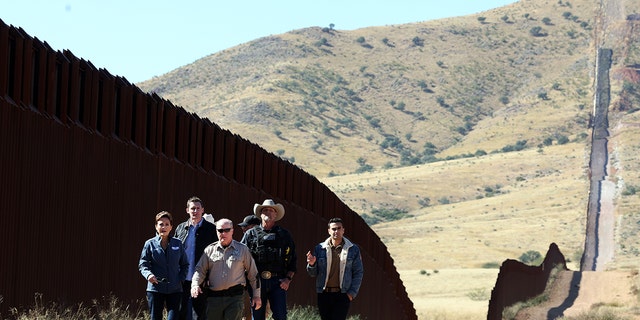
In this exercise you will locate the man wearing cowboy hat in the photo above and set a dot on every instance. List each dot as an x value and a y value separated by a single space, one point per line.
274 252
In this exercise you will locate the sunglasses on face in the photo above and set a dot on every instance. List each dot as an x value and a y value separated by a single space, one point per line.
224 230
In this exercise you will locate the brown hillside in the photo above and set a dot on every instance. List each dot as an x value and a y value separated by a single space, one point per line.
325 97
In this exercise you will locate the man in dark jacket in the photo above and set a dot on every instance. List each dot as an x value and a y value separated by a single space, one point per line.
273 250
196 234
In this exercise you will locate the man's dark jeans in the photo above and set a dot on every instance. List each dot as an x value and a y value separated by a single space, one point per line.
157 302
192 308
277 298
333 306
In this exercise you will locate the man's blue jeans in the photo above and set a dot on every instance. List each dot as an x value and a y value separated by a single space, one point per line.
157 301
270 291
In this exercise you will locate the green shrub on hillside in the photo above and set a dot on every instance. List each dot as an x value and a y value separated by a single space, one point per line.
424 202
562 139
629 190
537 32
491 265
520 145
363 166
322 42
390 214
370 219
531 257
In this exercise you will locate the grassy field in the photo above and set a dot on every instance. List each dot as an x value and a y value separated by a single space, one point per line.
542 199
538 197
450 293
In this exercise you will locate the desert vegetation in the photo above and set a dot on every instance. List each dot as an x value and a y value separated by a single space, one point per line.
110 308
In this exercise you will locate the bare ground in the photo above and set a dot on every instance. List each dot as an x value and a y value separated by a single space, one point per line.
574 293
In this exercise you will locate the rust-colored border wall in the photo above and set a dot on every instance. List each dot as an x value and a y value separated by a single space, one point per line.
519 282
87 159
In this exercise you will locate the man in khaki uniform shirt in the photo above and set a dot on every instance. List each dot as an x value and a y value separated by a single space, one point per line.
226 262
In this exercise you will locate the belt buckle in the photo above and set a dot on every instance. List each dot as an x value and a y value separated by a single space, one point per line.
265 275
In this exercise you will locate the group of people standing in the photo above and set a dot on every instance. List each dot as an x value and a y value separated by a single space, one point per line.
203 273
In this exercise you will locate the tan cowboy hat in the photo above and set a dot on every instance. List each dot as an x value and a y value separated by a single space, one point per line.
270 204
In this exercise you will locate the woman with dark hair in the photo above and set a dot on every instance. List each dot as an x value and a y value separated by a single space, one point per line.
163 263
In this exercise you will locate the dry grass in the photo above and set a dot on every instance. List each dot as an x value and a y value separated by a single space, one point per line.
542 201
450 293
106 308
625 164
110 308
600 313
456 239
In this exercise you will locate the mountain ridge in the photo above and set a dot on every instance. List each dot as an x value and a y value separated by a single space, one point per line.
302 95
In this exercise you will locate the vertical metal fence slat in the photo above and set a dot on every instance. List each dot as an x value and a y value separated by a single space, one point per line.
141 119
73 111
59 88
152 124
125 102
27 73
90 104
274 171
241 160
208 145
230 156
219 149
51 83
182 146
40 81
170 130
250 160
259 169
191 141
4 59
107 112
16 69
198 157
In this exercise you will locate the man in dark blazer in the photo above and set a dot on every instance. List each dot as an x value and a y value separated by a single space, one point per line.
196 234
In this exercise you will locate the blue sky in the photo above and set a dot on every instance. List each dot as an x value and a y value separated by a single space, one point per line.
140 39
